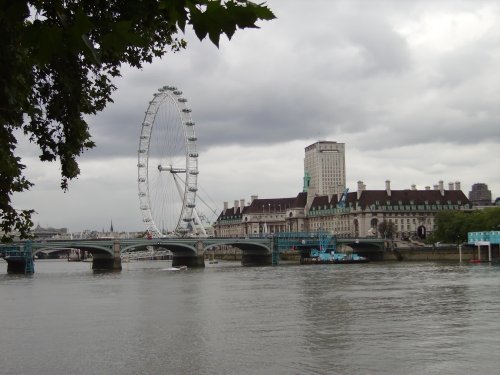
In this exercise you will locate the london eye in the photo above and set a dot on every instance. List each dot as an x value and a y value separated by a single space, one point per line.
168 166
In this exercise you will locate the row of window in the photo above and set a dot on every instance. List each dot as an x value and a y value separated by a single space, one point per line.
332 209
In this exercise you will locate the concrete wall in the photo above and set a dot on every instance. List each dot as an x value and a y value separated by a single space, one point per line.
428 254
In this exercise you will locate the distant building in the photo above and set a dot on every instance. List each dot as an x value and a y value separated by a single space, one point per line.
364 210
480 195
88 234
40 233
326 205
358 216
262 216
324 168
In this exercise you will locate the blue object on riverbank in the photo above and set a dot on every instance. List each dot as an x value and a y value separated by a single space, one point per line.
324 257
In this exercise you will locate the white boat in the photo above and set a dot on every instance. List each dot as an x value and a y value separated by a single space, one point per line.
180 268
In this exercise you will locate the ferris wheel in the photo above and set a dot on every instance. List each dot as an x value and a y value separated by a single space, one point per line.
168 166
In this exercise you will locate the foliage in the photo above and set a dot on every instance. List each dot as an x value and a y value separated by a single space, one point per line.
387 229
58 59
453 226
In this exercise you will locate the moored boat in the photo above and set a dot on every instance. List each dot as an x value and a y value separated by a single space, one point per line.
333 257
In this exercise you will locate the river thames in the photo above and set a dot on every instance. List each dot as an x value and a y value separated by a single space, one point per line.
375 318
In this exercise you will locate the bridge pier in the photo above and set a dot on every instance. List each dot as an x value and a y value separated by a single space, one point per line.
252 260
189 261
20 259
16 266
106 263
196 261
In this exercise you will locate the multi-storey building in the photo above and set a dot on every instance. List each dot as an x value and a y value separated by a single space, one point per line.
262 216
358 215
324 168
326 205
410 210
480 195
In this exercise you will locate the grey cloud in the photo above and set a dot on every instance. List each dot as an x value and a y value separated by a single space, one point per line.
347 73
382 49
340 70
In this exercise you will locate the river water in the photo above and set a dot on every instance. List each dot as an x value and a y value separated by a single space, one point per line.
375 318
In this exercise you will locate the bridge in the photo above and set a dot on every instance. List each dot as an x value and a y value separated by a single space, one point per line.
107 253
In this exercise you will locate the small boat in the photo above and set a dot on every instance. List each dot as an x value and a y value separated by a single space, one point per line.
180 268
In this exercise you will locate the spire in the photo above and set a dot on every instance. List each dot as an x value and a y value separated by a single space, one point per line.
307 181
111 228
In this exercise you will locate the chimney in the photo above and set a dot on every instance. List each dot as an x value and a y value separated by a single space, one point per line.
253 197
436 187
226 204
413 187
388 187
451 186
236 202
364 187
427 188
441 187
360 188
242 203
457 185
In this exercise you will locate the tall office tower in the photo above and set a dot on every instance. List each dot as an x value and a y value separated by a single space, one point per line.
480 195
324 168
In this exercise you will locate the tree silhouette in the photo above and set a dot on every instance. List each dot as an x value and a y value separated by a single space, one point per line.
58 58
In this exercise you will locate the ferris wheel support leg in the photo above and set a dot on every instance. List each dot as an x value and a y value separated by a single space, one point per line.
200 224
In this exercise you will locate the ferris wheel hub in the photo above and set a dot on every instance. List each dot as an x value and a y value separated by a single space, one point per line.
169 168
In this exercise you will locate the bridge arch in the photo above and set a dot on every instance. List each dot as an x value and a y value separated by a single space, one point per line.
105 253
93 249
253 253
370 248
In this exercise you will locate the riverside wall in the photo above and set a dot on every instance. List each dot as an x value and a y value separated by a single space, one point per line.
428 254
397 253
407 252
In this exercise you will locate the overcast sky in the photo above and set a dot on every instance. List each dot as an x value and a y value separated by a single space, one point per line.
411 87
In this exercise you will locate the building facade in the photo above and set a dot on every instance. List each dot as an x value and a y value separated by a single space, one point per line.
262 217
324 168
326 205
411 211
40 233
